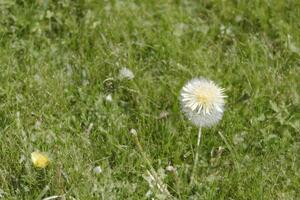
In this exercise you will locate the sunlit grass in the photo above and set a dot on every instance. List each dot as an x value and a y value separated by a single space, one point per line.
61 93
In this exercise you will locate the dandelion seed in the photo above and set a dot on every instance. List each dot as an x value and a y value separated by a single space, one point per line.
97 170
202 102
39 160
126 73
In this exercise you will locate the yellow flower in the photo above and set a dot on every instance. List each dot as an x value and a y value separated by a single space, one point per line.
39 160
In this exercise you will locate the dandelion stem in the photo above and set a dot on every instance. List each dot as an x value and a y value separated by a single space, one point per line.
196 156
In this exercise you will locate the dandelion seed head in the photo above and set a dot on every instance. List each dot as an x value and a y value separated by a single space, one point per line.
108 98
170 168
133 132
126 73
97 170
202 102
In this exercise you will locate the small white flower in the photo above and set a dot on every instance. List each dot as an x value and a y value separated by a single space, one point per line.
126 73
97 170
170 168
202 102
108 98
133 132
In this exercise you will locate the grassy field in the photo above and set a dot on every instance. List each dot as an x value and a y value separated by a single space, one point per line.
60 61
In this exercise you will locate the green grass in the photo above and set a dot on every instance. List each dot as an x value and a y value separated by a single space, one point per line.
59 60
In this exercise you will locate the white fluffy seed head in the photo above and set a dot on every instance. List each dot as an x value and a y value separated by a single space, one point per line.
97 170
126 73
202 102
108 98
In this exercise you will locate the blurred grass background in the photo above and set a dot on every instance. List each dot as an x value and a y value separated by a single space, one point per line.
60 59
